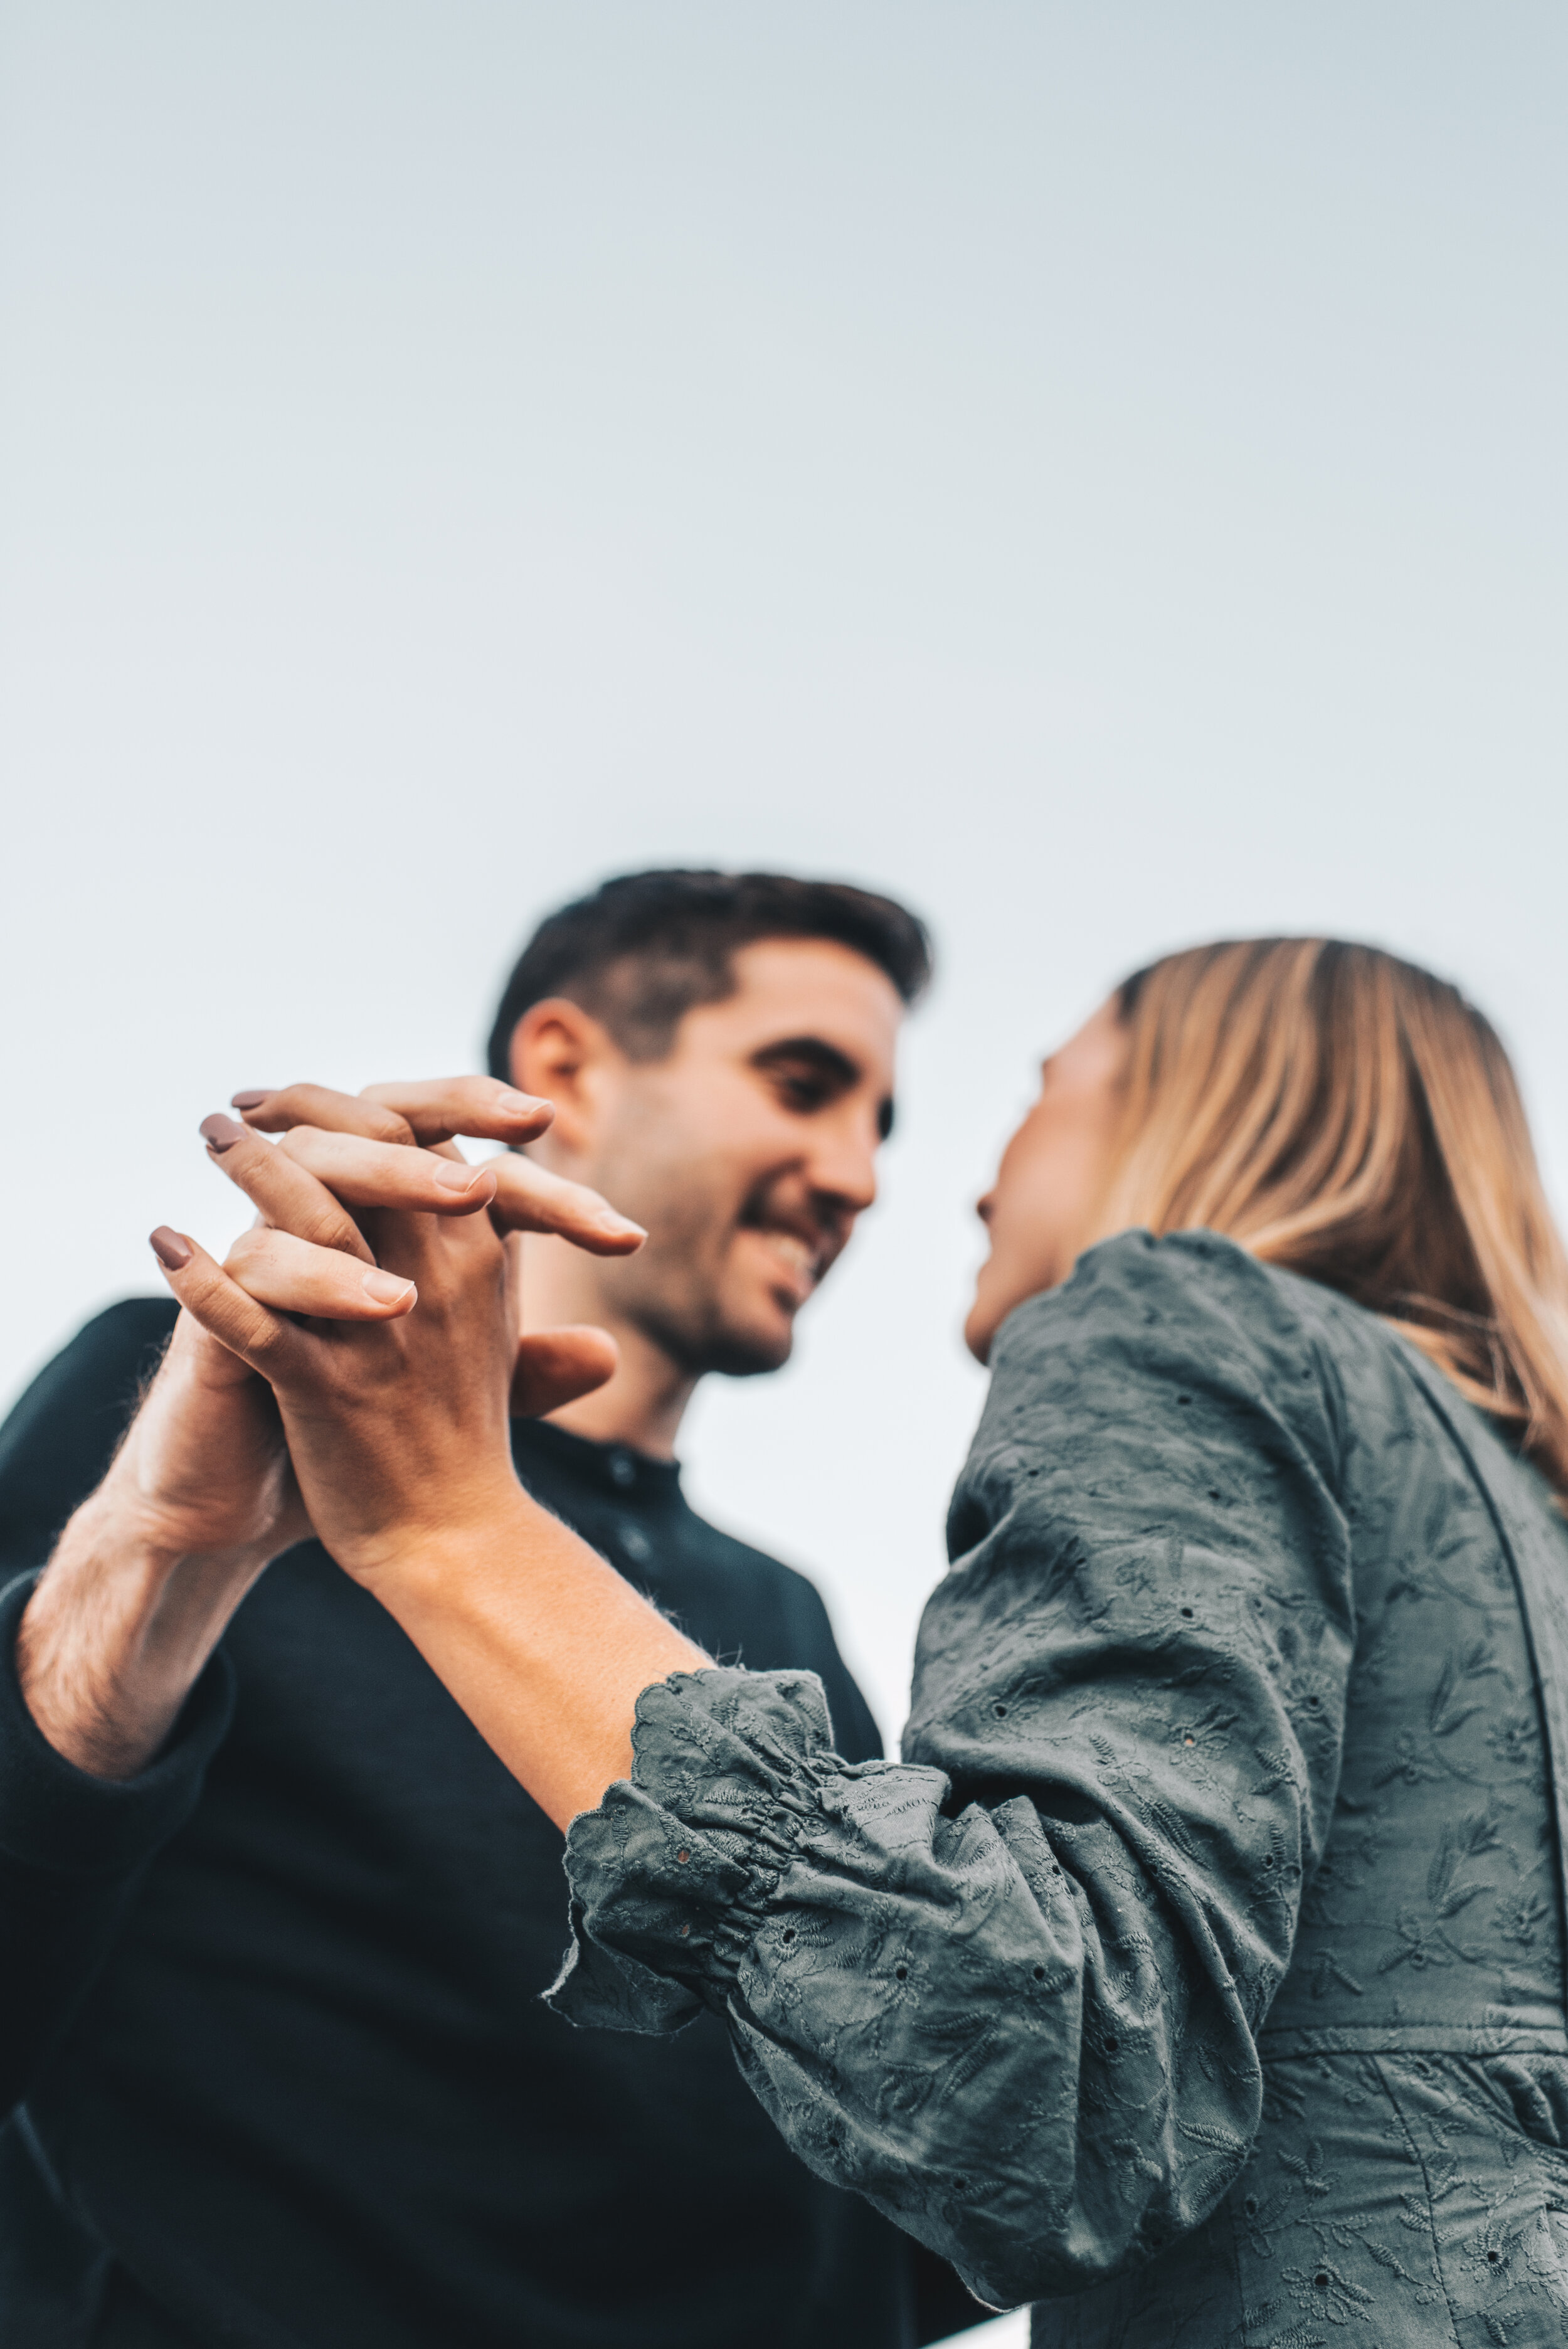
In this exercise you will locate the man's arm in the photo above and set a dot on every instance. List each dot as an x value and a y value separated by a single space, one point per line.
112 1697
71 1845
151 1567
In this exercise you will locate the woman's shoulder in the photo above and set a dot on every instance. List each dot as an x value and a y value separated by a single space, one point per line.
1197 1313
1178 1293
1192 1288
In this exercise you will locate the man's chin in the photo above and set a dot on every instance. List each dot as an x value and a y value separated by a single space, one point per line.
751 1355
735 1346
748 1349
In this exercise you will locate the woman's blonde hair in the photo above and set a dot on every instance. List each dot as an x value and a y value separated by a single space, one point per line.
1348 1116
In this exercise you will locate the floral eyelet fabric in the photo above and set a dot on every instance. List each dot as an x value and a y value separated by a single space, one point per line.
1199 1973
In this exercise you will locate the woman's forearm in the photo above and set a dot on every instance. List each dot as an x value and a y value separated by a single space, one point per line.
544 1646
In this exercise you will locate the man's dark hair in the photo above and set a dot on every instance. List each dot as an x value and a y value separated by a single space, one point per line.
644 949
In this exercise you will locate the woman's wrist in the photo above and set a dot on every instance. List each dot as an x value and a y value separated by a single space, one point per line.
492 1527
543 1644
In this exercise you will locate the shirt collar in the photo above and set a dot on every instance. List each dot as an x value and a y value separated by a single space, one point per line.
613 1468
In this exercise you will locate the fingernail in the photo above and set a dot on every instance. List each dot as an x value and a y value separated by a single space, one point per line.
220 1133
518 1105
173 1253
459 1178
250 1101
622 1226
385 1288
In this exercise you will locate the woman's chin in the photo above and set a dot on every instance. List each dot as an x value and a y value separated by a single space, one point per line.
995 1297
980 1328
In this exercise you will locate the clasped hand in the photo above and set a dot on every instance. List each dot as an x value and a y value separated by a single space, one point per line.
301 1391
393 1421
377 1301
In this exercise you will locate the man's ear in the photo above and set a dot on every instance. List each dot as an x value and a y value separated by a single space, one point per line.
563 1053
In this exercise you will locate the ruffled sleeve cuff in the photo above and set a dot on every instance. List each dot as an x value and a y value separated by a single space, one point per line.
672 1875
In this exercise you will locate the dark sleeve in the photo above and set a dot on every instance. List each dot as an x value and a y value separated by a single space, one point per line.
61 1436
942 2306
1010 1989
72 1847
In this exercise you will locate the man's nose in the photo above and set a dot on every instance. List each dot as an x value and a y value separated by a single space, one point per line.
845 1162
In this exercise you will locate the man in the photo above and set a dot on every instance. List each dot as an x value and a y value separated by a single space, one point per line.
273 1925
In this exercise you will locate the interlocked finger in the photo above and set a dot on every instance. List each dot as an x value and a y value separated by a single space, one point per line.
275 1111
432 1112
529 1198
289 1275
221 1307
365 1174
283 1190
443 1107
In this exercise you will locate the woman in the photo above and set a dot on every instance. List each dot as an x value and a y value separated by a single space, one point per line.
1199 1970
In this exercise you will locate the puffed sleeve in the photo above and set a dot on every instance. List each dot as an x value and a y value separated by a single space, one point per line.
1009 1988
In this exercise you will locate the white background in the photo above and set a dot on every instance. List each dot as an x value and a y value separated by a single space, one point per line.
1098 471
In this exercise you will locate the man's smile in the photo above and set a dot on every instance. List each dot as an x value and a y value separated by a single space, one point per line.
797 1247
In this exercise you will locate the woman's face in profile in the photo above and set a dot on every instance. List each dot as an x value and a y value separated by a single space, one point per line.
1041 1210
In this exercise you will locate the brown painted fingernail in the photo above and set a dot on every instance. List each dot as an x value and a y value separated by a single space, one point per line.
173 1253
250 1101
220 1133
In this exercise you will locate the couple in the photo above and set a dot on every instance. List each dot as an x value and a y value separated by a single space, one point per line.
276 2066
1199 1972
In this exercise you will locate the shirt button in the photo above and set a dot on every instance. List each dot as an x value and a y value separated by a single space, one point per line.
623 1469
636 1542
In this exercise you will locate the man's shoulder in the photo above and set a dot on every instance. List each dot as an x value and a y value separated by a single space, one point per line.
762 1570
790 1627
111 1345
62 1431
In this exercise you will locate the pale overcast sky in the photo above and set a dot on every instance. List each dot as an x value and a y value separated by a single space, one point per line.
1098 471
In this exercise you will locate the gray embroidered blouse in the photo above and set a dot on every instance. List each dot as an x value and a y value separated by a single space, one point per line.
1199 1970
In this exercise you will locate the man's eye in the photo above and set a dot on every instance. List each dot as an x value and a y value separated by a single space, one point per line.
801 1089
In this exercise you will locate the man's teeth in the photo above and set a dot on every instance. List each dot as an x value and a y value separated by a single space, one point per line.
794 1252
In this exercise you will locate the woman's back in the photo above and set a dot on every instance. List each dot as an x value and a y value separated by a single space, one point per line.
1409 2178
1435 1919
1415 2138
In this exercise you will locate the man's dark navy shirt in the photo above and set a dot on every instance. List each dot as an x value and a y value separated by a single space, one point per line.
271 2039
